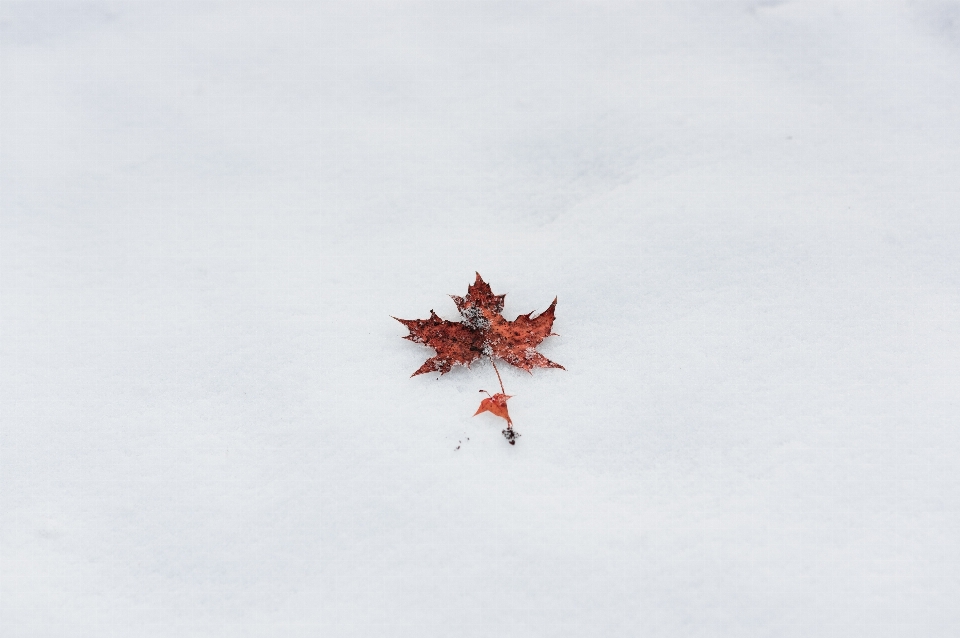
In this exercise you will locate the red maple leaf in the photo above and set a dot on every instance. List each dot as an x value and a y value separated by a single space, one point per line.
482 333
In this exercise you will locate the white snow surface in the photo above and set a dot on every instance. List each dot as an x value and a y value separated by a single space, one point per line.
750 213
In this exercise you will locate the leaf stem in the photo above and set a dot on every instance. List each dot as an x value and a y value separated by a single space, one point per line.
498 375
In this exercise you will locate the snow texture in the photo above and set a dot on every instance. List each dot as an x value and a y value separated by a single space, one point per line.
750 213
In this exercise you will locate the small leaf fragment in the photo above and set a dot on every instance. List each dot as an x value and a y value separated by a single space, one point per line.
496 404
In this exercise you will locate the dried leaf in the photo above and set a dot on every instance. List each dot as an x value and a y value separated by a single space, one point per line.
482 332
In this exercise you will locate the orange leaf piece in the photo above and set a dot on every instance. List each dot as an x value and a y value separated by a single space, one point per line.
496 404
483 332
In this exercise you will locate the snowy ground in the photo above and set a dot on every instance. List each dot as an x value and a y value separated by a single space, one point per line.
750 213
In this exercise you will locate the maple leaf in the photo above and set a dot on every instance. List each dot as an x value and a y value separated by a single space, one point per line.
483 332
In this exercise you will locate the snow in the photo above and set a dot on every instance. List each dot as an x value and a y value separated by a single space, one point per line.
748 212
